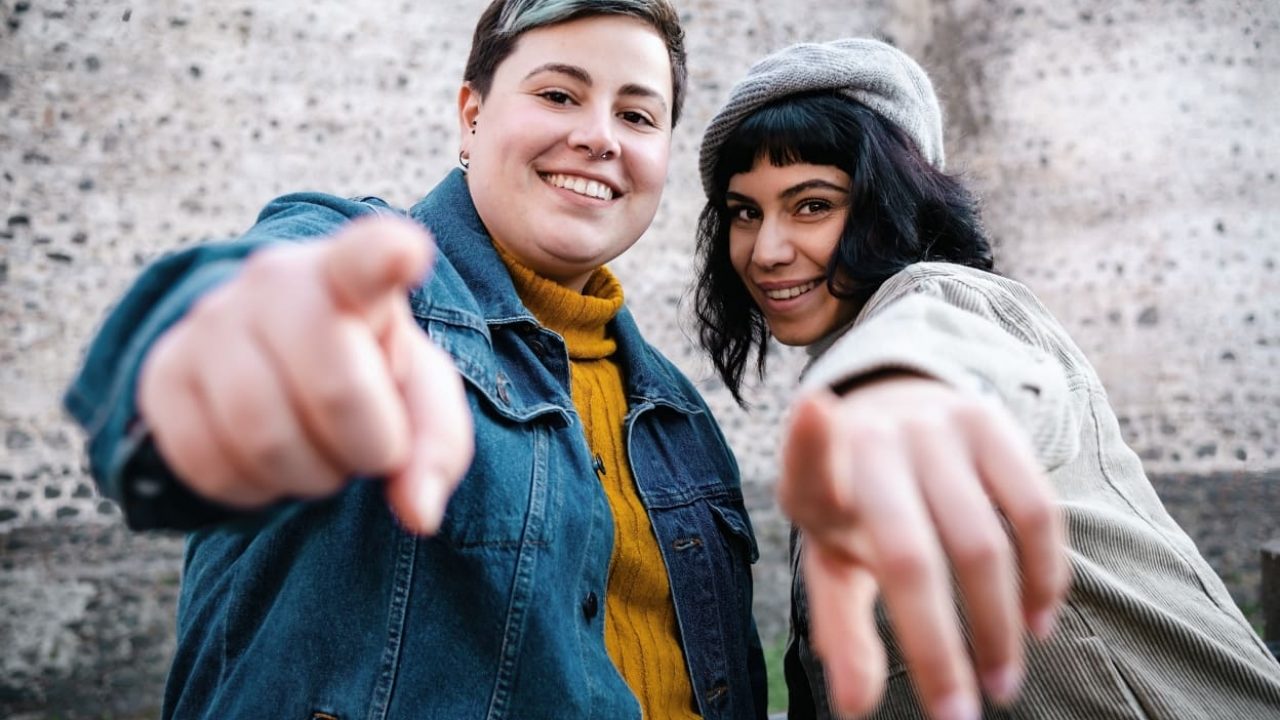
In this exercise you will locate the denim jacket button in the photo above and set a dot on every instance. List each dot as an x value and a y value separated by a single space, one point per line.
502 389
590 605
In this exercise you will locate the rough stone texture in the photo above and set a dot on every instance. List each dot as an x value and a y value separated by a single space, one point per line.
89 615
1230 516
1127 154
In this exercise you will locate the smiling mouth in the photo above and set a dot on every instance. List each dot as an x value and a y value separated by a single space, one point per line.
792 292
580 185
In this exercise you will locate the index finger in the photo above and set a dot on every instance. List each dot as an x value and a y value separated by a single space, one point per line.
373 260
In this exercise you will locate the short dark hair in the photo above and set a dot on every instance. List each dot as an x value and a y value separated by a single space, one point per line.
504 21
902 211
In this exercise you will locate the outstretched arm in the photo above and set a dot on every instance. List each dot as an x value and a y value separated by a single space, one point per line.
296 368
930 466
306 370
898 486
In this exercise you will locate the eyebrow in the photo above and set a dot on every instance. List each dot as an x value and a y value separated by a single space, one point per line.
582 76
794 190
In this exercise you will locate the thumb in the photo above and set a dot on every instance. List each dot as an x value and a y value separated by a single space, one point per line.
373 260
441 434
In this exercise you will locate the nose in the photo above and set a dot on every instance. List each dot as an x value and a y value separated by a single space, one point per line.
594 135
773 244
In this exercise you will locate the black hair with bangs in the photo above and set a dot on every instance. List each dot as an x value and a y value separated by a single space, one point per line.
902 211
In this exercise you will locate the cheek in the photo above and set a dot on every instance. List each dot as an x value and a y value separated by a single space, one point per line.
740 246
505 143
649 162
830 236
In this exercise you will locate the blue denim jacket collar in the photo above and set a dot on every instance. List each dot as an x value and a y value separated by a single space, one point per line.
449 212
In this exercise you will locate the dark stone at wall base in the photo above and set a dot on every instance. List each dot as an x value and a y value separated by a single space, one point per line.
1230 516
89 619
122 589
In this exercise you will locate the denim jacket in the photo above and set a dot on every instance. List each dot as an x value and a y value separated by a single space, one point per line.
329 609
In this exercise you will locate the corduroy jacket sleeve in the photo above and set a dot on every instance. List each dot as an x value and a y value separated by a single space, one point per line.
975 331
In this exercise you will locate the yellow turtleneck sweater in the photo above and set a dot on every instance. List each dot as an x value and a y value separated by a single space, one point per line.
640 630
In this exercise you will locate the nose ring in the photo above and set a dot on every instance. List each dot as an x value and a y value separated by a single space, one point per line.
591 155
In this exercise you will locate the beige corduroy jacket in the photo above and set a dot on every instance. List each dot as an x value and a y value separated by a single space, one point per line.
1148 629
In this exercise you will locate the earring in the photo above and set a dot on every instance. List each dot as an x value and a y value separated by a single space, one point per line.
473 127
464 161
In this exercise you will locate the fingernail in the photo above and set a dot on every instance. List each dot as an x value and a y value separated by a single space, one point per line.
960 706
429 505
1002 684
1043 622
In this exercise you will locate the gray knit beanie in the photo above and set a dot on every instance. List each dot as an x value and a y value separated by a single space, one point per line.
871 72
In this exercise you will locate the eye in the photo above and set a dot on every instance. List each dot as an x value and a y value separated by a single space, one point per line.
743 213
813 207
556 97
635 117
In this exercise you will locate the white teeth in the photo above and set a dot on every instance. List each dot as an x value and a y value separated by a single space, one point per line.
792 292
581 185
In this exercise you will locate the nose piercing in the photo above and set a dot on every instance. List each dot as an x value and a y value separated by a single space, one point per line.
591 155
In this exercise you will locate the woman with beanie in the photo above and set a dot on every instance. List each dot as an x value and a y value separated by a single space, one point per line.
942 405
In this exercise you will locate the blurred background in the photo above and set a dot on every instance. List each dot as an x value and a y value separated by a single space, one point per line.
1127 153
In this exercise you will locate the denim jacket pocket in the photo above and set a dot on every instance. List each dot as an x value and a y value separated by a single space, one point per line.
502 501
732 517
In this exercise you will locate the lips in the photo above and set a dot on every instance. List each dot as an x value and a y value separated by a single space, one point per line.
586 187
788 293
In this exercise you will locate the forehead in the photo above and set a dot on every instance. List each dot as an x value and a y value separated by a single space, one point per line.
614 50
765 178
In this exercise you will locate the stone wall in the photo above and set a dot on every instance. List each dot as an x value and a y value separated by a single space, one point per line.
1127 154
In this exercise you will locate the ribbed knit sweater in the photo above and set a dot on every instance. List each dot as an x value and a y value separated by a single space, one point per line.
640 628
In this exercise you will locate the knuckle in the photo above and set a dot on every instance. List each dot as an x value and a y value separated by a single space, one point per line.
970 411
810 501
161 368
209 309
268 450
222 486
909 564
1034 513
933 662
987 551
865 434
855 695
923 426
268 264
318 484
335 397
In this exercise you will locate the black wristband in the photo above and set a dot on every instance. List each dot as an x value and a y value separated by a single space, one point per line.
153 497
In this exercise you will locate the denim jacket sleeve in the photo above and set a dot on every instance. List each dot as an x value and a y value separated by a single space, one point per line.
101 397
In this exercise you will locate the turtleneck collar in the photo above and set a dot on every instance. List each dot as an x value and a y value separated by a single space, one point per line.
582 319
